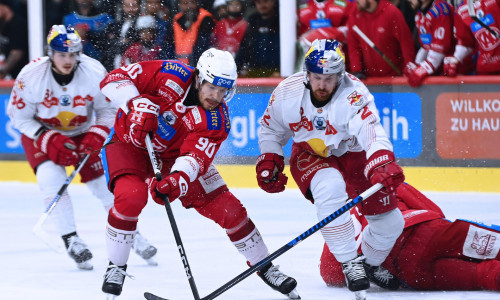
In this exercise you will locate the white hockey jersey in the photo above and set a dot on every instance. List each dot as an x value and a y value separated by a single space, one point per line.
38 100
349 122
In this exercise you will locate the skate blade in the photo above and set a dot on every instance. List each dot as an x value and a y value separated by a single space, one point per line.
86 266
110 296
360 295
151 262
293 295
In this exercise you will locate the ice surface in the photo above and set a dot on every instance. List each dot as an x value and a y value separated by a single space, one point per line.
30 270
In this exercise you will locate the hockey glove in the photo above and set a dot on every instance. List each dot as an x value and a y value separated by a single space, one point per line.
450 66
416 74
382 168
173 186
59 148
94 139
270 176
142 119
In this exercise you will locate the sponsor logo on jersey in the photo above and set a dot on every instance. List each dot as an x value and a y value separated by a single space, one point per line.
81 101
225 111
65 100
223 82
169 117
175 87
20 84
187 121
355 98
180 107
176 69
319 123
196 115
166 94
214 119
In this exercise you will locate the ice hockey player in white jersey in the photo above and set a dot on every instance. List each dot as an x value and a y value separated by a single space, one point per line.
57 105
339 149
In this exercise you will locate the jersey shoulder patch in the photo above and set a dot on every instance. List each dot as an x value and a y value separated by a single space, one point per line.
178 69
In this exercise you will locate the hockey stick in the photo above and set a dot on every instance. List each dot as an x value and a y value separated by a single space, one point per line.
350 204
37 230
171 218
472 14
371 44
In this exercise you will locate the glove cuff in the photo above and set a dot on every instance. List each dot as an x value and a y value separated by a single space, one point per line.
43 140
378 159
100 130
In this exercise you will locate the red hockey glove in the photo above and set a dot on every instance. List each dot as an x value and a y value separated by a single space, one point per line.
450 66
382 168
94 139
174 186
416 76
142 119
270 176
59 148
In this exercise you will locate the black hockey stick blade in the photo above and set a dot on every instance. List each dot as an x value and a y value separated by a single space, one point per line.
150 296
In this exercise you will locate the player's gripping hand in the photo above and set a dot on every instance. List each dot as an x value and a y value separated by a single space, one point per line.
270 176
174 186
94 139
382 168
450 66
142 119
59 148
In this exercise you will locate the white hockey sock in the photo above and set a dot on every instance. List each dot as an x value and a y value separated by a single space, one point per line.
380 235
119 242
99 189
252 247
329 192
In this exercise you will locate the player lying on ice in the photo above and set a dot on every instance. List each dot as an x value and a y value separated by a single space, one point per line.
432 253
186 109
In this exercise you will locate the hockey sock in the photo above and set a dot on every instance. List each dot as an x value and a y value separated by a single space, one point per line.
488 275
247 239
120 234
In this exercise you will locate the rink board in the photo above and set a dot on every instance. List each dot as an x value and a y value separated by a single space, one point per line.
243 176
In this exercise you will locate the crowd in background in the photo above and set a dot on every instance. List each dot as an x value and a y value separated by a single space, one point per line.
417 38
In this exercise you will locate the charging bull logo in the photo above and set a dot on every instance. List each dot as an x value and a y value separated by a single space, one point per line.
355 99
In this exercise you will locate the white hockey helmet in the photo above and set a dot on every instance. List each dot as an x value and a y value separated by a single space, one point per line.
325 57
219 68
63 39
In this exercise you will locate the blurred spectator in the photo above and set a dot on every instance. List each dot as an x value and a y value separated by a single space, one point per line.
220 9
146 48
407 10
13 42
193 27
90 23
321 19
55 10
434 20
229 31
385 26
259 53
161 14
121 34
470 35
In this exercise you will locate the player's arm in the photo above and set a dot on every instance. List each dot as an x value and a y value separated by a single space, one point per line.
381 166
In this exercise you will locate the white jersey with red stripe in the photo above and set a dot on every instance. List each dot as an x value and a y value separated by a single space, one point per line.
37 99
348 122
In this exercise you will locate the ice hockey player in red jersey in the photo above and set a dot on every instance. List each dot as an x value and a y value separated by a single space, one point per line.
434 22
432 253
185 109
339 145
472 36
57 106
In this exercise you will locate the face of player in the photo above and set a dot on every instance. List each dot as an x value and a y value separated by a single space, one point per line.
210 95
64 62
323 85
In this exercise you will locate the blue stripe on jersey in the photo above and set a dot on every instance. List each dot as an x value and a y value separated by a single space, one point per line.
104 158
214 119
492 226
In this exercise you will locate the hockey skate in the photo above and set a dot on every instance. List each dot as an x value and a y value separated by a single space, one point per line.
144 249
355 277
278 281
381 277
113 280
79 252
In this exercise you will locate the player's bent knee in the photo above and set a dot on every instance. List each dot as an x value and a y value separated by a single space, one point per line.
131 195
329 191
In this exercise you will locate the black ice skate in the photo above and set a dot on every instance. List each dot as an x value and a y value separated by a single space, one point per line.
114 279
144 249
278 281
79 252
381 277
355 277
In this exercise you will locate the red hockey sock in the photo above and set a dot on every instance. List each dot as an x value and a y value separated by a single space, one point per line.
455 274
488 275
